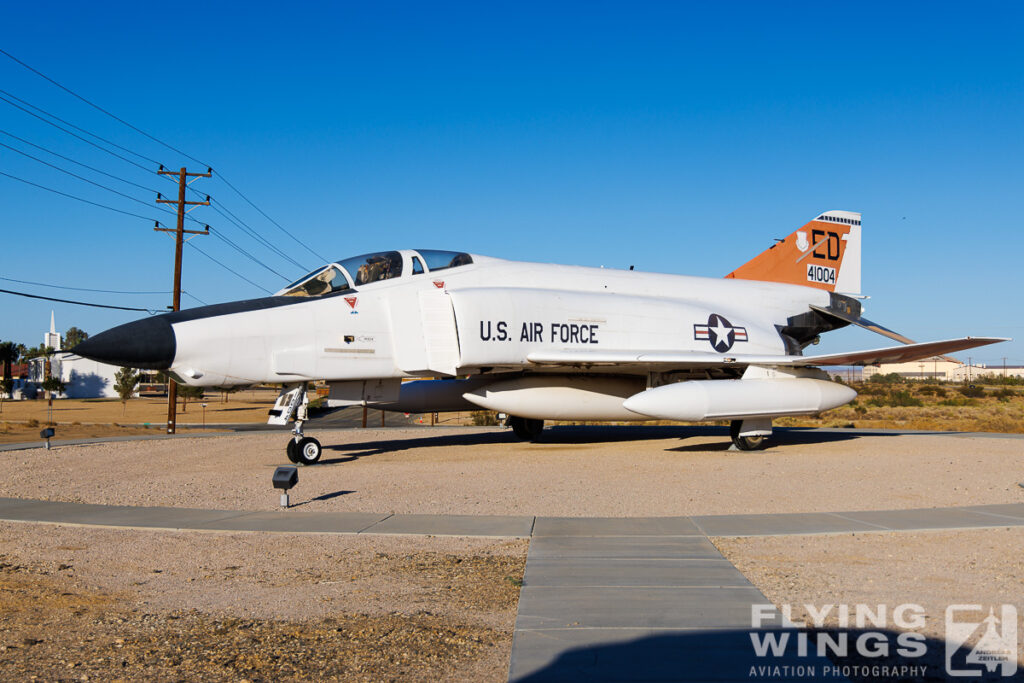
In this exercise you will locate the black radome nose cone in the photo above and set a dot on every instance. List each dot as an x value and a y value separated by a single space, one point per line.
147 344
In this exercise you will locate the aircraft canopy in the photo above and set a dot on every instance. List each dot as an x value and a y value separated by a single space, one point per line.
346 274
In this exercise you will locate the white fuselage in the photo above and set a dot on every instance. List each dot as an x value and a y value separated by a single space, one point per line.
487 317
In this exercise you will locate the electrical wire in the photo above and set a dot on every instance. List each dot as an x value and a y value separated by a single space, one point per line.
228 269
141 132
154 139
91 182
75 135
79 289
68 123
243 252
101 291
77 303
262 213
78 163
71 196
241 225
222 265
97 107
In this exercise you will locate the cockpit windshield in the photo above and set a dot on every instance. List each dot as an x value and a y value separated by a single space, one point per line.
382 265
437 259
363 270
326 281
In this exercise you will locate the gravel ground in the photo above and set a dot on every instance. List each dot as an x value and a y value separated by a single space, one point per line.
141 605
574 472
931 569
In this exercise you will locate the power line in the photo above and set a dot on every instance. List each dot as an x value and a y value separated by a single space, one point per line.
75 175
262 213
222 265
75 135
138 130
77 303
243 252
194 297
100 109
71 196
221 209
86 289
78 163
68 123
228 269
77 289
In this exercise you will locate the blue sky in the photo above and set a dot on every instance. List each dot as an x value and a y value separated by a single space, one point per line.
678 137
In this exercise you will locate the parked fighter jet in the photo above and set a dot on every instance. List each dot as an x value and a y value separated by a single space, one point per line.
537 341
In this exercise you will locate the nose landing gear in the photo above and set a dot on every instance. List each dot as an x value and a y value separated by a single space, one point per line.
304 450
293 401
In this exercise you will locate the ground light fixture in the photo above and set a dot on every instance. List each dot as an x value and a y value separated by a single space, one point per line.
46 434
284 479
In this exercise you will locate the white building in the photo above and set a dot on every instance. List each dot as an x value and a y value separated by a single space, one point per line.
943 370
82 377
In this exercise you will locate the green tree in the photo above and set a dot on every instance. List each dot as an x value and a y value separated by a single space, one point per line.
9 354
53 385
73 337
186 392
6 387
125 381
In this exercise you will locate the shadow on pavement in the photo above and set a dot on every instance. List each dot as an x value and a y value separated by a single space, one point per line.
593 434
729 655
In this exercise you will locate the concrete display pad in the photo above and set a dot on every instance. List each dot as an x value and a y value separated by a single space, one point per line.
603 599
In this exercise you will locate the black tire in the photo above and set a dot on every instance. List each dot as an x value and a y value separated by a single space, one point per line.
525 428
308 451
745 443
293 451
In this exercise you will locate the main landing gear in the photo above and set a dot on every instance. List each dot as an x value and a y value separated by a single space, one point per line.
750 435
292 401
525 428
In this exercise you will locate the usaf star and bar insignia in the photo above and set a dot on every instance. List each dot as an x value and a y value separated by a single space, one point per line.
719 332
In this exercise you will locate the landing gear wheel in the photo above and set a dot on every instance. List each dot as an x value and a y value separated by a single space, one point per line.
744 443
293 451
525 428
308 451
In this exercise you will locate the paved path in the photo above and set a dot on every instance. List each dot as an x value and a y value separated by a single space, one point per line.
505 526
633 599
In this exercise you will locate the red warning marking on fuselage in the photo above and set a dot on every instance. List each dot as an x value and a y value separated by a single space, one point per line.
439 284
351 301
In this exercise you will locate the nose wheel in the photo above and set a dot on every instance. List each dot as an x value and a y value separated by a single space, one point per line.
292 402
304 451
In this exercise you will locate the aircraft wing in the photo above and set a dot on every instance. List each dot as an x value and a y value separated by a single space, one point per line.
700 359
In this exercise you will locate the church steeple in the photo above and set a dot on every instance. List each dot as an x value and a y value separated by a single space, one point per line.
51 338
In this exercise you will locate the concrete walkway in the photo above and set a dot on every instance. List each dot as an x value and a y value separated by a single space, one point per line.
631 600
511 526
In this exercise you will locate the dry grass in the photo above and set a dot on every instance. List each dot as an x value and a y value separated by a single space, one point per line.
244 406
997 410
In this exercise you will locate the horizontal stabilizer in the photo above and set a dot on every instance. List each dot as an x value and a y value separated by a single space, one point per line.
701 359
863 322
901 354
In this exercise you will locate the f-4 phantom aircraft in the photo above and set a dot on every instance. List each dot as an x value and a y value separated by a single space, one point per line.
537 341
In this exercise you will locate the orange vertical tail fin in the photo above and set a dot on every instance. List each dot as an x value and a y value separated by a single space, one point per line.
825 254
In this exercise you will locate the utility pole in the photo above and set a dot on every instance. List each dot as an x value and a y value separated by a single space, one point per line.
179 242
